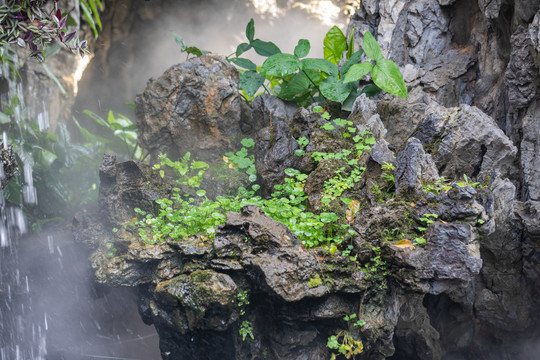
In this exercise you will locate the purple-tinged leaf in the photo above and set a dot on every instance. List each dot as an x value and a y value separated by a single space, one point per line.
58 14
69 37
33 47
62 22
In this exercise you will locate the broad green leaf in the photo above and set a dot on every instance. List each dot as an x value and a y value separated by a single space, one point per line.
250 82
335 44
387 76
302 49
244 63
371 47
354 59
350 45
265 48
296 86
250 30
357 71
242 48
349 101
321 65
179 41
370 90
46 157
333 89
280 65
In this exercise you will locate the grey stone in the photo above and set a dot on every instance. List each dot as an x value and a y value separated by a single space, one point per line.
193 107
274 152
490 8
466 141
530 152
413 168
449 256
381 154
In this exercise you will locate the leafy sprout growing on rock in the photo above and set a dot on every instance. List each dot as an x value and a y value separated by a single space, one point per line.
295 77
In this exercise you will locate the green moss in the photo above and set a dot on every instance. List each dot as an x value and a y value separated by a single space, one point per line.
314 281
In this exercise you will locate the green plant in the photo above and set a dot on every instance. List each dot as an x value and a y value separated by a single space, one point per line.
243 160
189 172
111 250
246 329
295 77
302 142
242 300
189 50
28 22
426 219
315 281
119 132
340 182
388 173
443 185
344 341
186 214
91 10
377 269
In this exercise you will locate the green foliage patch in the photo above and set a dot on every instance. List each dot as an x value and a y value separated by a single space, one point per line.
294 77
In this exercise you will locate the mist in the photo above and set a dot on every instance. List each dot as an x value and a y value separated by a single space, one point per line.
148 47
60 314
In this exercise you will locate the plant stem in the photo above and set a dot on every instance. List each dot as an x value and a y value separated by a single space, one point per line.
319 90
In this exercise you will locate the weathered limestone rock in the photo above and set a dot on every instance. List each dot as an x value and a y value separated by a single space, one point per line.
414 168
466 141
189 288
193 107
530 152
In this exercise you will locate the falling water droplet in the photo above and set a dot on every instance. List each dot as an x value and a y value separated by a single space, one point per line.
50 240
5 140
4 240
29 191
43 118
